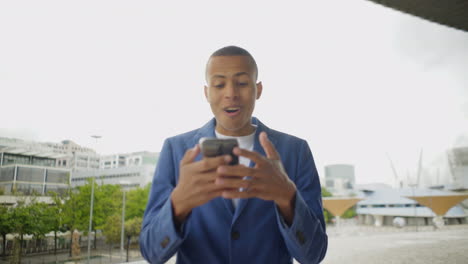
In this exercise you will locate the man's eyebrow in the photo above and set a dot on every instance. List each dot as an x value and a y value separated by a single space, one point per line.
241 73
236 75
219 76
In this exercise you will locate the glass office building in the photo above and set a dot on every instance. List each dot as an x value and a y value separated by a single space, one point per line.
31 174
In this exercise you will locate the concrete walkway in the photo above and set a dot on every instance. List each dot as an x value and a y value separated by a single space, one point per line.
347 244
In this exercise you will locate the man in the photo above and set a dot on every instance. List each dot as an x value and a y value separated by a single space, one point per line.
208 211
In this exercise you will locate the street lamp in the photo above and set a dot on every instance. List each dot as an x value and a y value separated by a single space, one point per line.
96 137
123 184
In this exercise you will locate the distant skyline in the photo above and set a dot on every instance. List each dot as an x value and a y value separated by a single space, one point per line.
355 79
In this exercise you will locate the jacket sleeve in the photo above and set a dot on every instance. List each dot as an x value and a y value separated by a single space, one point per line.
159 238
306 238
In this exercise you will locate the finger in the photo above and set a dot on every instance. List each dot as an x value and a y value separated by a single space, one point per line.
208 164
236 170
234 183
235 193
251 155
190 155
269 148
205 178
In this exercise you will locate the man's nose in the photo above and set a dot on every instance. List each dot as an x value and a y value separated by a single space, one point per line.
231 91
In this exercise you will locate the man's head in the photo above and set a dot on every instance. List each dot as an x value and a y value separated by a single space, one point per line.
232 89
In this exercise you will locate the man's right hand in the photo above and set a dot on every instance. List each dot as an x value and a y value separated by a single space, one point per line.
196 183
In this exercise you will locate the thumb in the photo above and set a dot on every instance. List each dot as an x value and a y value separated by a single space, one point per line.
269 148
190 155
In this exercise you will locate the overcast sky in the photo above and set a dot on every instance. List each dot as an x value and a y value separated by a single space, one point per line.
355 79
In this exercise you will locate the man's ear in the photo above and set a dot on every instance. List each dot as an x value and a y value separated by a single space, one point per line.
206 92
259 89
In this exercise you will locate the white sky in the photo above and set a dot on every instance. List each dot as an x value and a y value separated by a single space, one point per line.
355 79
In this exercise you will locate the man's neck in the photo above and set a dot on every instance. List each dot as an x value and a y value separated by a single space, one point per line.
240 133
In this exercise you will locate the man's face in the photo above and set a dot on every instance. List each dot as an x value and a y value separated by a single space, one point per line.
231 91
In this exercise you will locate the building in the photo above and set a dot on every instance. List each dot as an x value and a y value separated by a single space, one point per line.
458 161
340 179
381 207
79 163
67 153
31 172
129 169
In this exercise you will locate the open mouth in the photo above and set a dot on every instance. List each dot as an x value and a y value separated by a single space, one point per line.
231 110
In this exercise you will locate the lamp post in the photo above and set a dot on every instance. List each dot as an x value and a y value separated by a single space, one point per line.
122 232
91 206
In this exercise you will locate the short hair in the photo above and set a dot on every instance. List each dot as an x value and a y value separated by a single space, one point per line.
236 51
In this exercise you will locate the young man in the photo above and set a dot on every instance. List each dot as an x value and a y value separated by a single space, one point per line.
207 211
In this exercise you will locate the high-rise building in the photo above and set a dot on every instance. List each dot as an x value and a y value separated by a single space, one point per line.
339 178
458 161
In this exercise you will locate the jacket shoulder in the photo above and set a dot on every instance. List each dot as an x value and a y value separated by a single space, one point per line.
284 138
187 139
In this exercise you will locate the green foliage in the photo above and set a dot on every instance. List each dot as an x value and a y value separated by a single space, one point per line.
24 218
6 224
133 226
71 210
107 201
136 202
6 220
28 218
42 219
326 193
112 228
350 213
71 216
55 213
326 215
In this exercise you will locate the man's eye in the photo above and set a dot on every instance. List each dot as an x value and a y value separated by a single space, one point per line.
242 83
221 85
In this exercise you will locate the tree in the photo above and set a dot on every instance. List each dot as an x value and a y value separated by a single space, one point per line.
107 201
136 202
111 230
54 217
326 193
72 216
132 229
326 214
6 225
42 224
350 213
28 219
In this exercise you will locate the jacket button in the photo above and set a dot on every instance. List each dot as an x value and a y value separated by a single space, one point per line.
165 242
300 237
235 235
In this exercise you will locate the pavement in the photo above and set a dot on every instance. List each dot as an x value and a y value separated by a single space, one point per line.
346 244
423 246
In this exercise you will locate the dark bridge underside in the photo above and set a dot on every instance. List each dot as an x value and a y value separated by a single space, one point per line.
453 13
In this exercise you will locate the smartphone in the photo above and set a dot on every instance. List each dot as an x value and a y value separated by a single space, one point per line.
212 147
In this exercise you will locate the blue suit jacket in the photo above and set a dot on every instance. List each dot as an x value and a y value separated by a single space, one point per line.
254 232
